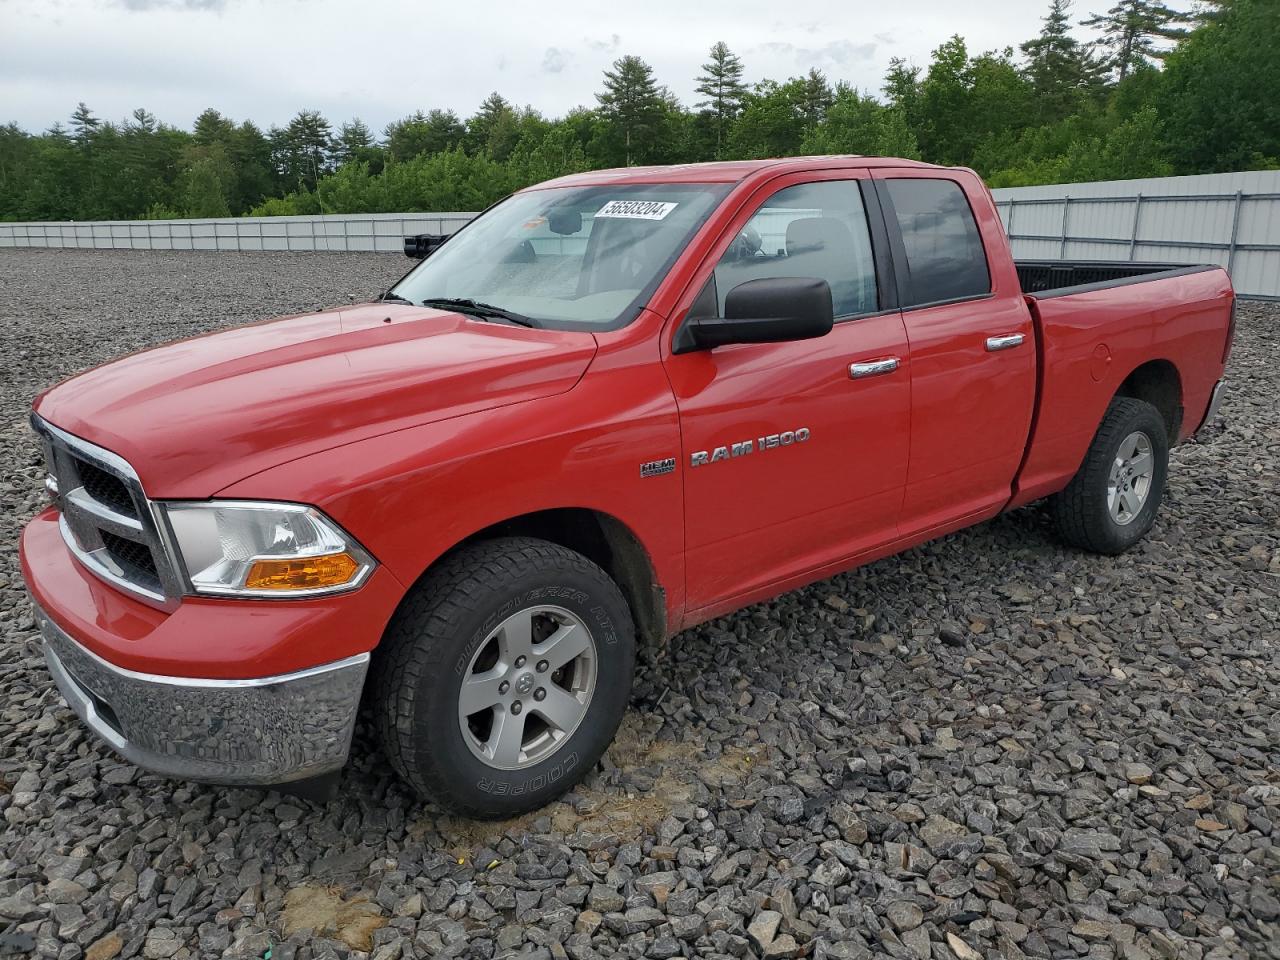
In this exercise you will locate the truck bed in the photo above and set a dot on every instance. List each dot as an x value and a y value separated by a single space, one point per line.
1056 278
1093 335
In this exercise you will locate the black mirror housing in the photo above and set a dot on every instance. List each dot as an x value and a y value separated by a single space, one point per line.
422 245
565 222
767 310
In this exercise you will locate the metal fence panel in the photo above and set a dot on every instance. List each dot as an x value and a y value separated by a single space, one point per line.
1232 219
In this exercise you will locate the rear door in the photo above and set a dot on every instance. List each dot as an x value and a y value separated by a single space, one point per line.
973 358
794 454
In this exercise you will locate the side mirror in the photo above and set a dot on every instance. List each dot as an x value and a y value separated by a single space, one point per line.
768 310
565 222
422 245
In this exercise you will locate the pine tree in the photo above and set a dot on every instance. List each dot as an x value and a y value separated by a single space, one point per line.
721 84
211 127
631 101
816 98
1132 31
83 123
491 126
1059 66
353 138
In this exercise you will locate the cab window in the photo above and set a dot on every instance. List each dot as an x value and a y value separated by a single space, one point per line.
809 230
945 256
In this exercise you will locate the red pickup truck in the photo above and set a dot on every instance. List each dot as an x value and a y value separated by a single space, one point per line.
612 406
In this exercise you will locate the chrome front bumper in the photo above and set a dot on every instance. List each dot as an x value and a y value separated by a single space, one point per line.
264 732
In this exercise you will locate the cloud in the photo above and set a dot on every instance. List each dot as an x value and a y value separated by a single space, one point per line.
555 60
608 46
144 5
839 53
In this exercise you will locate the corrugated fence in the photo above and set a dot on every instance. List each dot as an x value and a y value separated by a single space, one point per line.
380 232
1232 219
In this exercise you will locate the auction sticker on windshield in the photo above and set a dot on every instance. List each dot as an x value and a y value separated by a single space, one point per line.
636 209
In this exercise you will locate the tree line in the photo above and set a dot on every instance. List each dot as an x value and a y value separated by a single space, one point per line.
1159 92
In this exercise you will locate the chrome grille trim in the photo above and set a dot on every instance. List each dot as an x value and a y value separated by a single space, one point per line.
84 519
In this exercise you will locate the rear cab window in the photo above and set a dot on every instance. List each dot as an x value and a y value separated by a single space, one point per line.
945 258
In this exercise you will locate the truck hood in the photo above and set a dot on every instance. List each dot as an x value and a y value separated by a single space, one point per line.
195 416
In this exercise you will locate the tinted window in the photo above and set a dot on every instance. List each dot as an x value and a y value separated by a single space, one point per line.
809 230
945 258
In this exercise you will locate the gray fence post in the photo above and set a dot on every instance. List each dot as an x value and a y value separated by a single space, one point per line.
1066 216
1137 216
1235 231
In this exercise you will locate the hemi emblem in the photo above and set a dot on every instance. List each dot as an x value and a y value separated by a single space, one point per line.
656 468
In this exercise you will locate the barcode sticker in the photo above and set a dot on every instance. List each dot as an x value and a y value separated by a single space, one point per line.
637 209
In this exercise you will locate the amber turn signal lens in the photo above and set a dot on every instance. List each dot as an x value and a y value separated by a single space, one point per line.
331 570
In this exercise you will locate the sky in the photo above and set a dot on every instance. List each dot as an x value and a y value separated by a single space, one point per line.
383 59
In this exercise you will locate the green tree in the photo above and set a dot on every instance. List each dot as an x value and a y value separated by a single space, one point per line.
1220 92
861 125
816 96
353 142
771 124
84 125
422 134
963 101
310 140
495 128
211 127
205 183
1134 32
721 86
1061 69
632 104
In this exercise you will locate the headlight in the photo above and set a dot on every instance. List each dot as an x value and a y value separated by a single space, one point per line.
248 548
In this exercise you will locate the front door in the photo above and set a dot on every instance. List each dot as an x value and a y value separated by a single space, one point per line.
794 454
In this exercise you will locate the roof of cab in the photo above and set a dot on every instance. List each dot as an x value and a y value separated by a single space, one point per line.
722 171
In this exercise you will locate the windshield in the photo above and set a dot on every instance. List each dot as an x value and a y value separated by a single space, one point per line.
569 257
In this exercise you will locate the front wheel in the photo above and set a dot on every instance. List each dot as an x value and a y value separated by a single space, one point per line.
1112 500
503 677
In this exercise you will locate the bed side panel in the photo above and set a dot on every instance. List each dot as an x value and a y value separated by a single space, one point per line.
1093 340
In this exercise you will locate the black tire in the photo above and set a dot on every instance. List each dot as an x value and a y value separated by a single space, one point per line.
1082 513
427 651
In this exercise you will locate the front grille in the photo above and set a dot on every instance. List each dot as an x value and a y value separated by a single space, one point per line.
134 559
106 488
106 519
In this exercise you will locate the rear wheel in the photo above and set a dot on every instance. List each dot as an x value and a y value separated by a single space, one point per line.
504 675
1113 499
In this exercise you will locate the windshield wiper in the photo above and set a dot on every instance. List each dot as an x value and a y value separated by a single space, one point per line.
483 311
390 297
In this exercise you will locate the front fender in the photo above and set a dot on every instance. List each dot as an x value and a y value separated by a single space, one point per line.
412 495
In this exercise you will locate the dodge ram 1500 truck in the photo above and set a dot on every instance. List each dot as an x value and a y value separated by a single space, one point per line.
611 407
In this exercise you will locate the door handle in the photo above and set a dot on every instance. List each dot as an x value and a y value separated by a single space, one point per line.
873 368
1004 342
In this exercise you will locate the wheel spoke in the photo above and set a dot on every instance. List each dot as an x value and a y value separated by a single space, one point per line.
506 738
480 692
516 639
564 645
560 709
1130 501
1141 464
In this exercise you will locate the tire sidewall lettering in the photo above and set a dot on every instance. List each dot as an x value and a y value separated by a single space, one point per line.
542 780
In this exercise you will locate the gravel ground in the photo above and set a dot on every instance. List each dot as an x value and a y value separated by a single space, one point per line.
989 746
